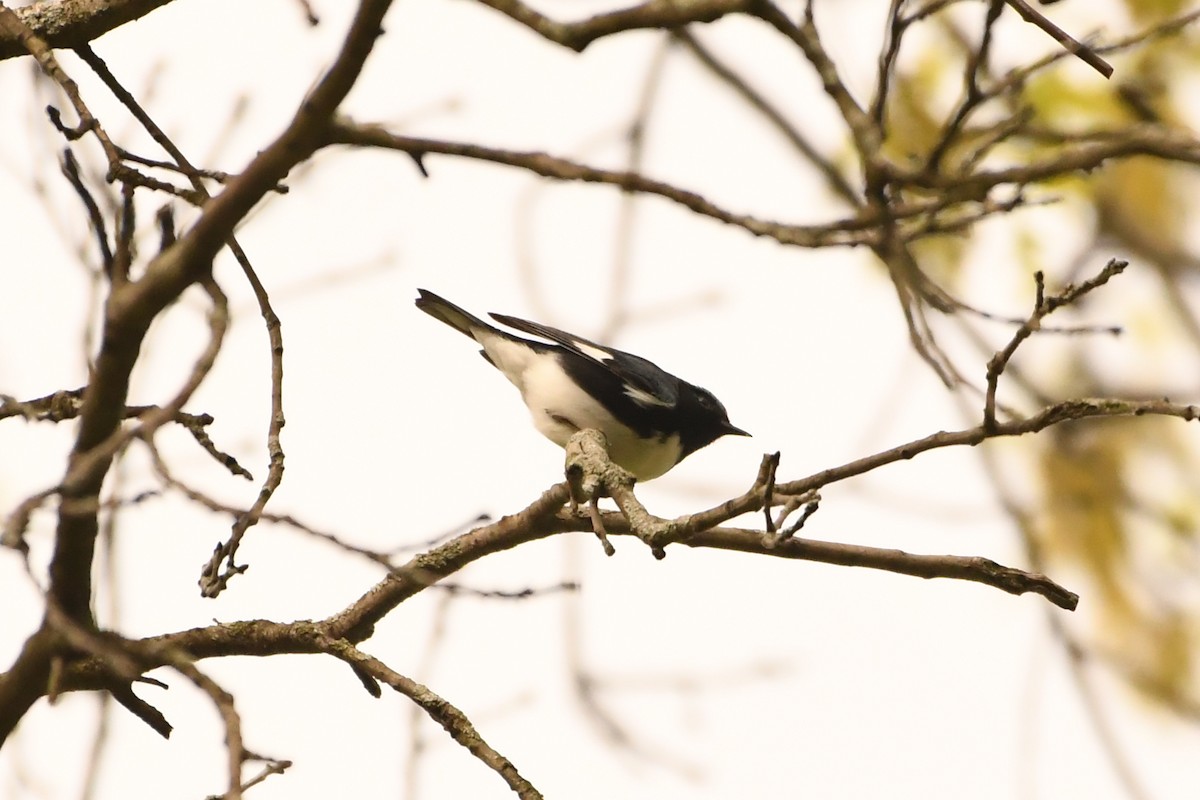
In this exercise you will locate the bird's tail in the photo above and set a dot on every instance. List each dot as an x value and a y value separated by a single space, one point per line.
442 309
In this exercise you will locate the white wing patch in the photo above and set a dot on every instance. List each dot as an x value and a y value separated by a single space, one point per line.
594 353
644 399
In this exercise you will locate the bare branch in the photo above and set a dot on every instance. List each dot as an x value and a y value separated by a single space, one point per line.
70 168
213 578
833 176
651 14
848 232
867 135
14 28
586 454
1043 306
70 23
272 767
456 723
977 65
131 308
1086 54
967 568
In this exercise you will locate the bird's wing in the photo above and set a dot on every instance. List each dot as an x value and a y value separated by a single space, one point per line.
645 383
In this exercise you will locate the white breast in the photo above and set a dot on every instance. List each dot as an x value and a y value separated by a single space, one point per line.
560 408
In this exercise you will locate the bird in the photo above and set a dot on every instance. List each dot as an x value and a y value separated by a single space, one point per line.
652 419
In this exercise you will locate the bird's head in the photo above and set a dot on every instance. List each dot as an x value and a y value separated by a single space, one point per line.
705 418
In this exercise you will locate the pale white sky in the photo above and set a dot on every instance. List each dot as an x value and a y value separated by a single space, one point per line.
740 676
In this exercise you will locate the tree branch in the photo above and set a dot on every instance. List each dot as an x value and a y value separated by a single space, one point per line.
652 14
441 711
130 309
70 23
963 568
844 232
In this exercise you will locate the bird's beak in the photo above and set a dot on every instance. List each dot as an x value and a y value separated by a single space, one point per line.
732 430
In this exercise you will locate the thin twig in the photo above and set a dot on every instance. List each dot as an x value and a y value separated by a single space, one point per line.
70 168
850 231
1085 53
1043 306
455 722
214 577
834 177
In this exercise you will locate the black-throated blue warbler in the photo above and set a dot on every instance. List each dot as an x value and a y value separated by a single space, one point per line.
652 419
